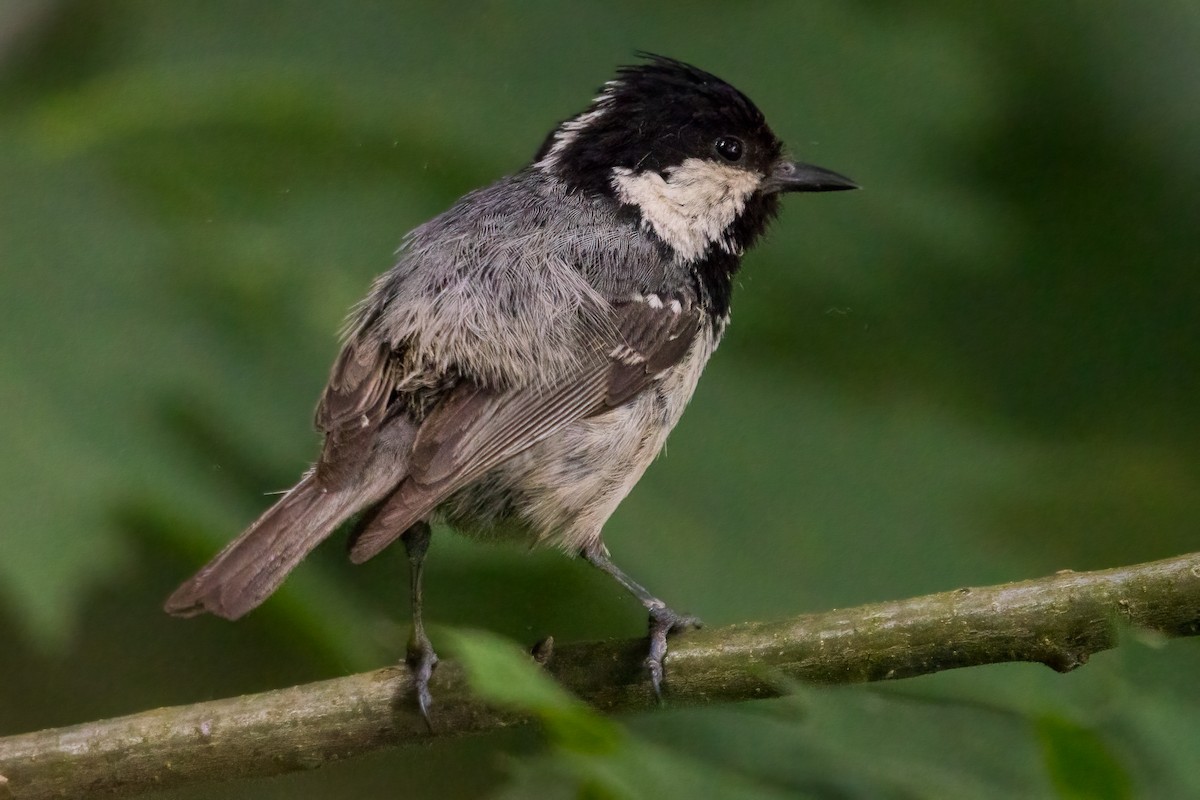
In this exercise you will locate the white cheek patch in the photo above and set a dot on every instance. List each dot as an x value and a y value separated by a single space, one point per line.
692 206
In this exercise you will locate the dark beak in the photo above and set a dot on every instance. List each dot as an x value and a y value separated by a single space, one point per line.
792 176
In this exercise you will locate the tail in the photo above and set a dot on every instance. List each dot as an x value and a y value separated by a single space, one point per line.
253 565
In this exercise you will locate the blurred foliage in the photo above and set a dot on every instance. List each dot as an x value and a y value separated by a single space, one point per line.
982 367
1079 762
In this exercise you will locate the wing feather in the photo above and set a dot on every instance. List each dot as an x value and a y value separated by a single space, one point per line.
477 429
353 406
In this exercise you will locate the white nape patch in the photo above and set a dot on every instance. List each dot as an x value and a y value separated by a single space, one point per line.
569 131
654 301
690 208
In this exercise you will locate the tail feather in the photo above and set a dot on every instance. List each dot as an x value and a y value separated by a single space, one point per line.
252 566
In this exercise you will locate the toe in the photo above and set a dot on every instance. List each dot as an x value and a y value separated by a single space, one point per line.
672 621
422 661
663 623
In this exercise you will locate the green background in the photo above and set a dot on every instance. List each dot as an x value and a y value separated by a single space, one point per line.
982 367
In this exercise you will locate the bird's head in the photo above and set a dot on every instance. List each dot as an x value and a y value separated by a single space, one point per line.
692 155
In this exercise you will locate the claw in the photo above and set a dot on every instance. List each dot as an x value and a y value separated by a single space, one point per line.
663 623
422 660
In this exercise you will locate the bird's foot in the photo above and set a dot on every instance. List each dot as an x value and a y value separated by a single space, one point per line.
422 661
663 623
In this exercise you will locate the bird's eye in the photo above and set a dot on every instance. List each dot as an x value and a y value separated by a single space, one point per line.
729 148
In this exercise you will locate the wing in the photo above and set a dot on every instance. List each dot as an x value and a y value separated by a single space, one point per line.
353 406
476 429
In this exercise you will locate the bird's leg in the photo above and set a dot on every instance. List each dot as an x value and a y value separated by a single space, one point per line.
421 658
663 620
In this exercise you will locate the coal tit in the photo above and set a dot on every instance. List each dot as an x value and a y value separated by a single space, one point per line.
521 365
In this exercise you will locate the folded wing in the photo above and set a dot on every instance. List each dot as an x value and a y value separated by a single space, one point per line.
476 429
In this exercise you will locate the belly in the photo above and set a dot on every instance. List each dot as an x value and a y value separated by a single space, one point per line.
561 491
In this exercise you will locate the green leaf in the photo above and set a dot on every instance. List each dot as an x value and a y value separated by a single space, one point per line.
1081 765
503 674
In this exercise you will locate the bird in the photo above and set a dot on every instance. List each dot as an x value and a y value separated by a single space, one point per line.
519 367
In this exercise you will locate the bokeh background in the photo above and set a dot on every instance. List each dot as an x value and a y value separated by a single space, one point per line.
982 367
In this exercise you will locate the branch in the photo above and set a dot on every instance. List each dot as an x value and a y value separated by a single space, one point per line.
1058 621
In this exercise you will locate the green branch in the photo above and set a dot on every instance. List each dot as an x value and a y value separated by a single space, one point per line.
1058 621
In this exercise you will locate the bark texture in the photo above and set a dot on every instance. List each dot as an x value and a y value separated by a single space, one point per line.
1058 621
